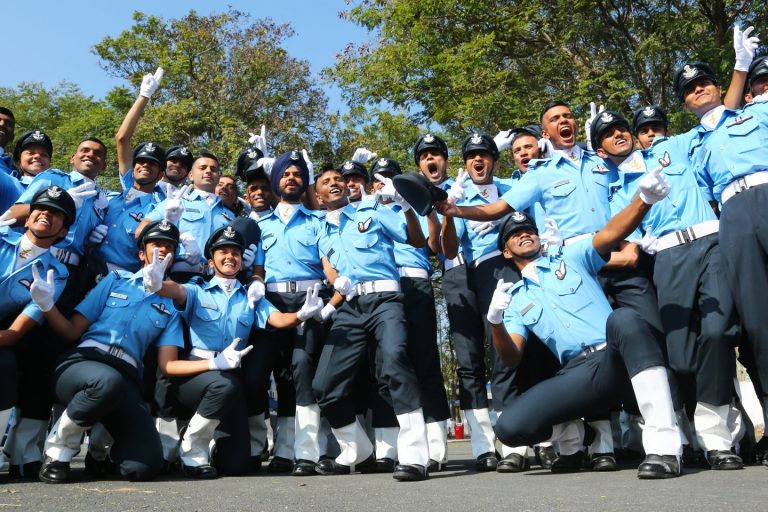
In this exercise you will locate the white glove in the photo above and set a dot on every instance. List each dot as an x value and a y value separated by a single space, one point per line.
362 156
81 192
154 273
456 192
345 287
256 292
546 148
593 113
762 98
150 83
744 47
649 244
312 305
260 141
174 203
327 312
504 139
191 248
98 234
6 220
551 236
267 164
653 187
499 302
42 292
249 255
229 358
310 166
389 191
482 227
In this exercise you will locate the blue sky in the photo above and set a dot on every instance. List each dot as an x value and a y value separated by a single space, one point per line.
60 34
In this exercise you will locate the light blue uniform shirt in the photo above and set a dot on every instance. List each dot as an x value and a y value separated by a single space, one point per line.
10 190
738 146
407 255
535 211
198 219
215 319
6 165
290 250
127 181
576 198
122 316
685 205
473 244
14 284
567 308
119 246
89 215
362 246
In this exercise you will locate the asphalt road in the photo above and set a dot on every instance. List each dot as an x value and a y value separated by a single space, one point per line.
459 488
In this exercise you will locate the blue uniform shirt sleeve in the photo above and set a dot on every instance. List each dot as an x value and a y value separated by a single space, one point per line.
584 254
263 309
172 335
191 304
513 322
392 224
157 213
93 304
525 192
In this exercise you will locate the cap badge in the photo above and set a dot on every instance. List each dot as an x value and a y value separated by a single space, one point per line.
164 225
149 148
518 217
294 155
229 232
606 117
54 192
429 138
649 111
689 71
383 162
476 139
38 135
348 166
251 153
183 151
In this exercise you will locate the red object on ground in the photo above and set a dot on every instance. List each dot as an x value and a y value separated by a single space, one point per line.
458 430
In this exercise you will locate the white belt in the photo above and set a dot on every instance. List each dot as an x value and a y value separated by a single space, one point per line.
455 262
384 285
687 235
484 257
415 272
742 184
574 239
591 349
111 350
292 286
202 353
66 257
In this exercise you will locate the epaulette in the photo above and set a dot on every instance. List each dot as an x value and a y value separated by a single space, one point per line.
122 274
369 203
536 162
197 280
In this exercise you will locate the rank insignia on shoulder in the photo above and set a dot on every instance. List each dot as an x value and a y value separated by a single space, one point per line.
560 272
363 226
161 308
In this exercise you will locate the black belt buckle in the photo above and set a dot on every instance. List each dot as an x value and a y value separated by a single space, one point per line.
292 286
115 351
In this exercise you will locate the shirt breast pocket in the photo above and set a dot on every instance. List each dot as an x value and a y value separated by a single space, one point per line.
366 240
745 136
193 214
562 189
531 316
267 243
567 289
157 319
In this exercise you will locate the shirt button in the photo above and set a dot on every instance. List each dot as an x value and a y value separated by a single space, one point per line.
114 225
571 290
593 209
113 303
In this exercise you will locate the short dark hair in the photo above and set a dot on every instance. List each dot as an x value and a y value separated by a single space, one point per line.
206 154
551 105
7 111
325 170
97 141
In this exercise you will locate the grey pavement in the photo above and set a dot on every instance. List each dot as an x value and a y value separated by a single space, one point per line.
459 488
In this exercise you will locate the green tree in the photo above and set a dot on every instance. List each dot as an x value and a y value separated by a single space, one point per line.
225 75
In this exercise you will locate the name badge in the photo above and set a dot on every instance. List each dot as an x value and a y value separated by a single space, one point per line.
118 295
209 306
561 183
193 210
526 309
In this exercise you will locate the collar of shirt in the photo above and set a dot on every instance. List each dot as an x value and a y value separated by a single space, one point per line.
529 271
26 252
263 214
473 190
222 282
133 194
711 119
333 217
633 164
287 211
572 155
76 177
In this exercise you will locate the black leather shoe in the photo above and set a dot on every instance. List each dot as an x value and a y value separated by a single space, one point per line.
324 466
435 467
54 471
568 463
410 473
603 462
628 455
761 451
206 471
255 463
335 468
658 466
694 458
512 463
28 471
99 467
280 465
304 467
384 465
724 459
487 462
545 456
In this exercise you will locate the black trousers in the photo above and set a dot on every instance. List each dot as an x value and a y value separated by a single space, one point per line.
586 385
97 387
9 376
698 316
377 316
219 395
744 249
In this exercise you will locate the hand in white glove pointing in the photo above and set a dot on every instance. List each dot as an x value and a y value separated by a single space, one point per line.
150 83
499 302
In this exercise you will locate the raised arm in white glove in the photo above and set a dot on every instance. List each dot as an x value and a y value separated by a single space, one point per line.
154 273
312 305
230 357
174 203
456 192
593 113
192 252
744 47
499 302
310 166
504 139
42 292
363 156
389 191
260 141
256 292
81 192
6 219
266 163
150 83
345 287
97 235
653 187
551 236
546 148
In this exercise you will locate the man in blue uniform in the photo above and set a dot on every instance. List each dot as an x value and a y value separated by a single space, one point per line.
7 129
359 243
648 123
561 300
32 155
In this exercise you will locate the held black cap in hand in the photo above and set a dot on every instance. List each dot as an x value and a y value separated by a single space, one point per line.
247 161
248 229
418 191
513 223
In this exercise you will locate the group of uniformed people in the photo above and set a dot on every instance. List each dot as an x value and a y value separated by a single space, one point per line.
609 279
